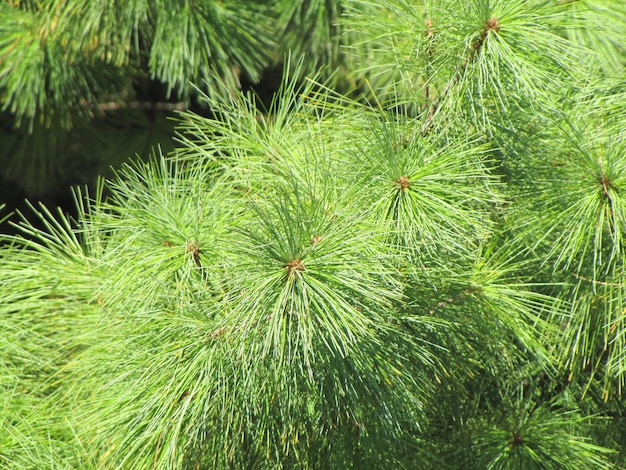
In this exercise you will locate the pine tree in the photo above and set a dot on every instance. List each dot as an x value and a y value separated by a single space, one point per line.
429 274
83 85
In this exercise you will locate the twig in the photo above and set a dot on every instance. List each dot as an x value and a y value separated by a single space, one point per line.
593 281
114 105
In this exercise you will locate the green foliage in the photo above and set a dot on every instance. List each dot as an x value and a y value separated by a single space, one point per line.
429 275
68 66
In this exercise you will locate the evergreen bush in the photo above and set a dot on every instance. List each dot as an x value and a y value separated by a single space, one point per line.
429 274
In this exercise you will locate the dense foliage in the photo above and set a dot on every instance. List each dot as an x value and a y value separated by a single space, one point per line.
83 85
427 272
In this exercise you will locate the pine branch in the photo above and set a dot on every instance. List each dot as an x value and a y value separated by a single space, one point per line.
147 105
